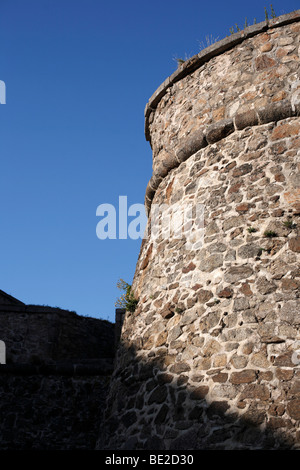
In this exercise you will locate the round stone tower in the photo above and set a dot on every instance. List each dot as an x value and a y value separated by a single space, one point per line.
210 358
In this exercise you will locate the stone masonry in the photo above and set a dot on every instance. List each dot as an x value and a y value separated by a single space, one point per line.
54 382
210 357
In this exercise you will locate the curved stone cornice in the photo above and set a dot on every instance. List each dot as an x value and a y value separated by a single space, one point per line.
214 133
221 129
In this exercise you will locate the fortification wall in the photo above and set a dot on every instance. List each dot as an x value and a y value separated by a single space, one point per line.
39 334
54 384
51 409
209 359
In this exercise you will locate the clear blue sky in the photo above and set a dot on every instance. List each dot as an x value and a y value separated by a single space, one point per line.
78 75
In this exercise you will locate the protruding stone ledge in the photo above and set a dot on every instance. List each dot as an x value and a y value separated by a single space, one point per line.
220 130
190 145
214 133
247 119
276 112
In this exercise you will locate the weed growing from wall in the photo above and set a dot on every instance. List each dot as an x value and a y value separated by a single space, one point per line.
270 234
127 300
210 40
289 224
273 15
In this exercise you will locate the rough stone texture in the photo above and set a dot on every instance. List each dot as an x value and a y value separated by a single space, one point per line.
37 334
50 412
54 383
209 359
255 82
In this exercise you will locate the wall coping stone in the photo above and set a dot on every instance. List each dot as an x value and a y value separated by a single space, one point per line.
217 131
35 309
101 368
44 309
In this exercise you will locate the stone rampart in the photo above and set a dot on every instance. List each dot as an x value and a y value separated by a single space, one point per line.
51 408
54 382
210 358
37 334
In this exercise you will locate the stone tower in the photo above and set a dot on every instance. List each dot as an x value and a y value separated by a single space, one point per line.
210 359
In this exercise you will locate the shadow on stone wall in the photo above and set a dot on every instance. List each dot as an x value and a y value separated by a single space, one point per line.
59 410
149 408
54 383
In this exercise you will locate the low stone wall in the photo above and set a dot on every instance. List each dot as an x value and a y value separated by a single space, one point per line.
54 384
37 334
51 409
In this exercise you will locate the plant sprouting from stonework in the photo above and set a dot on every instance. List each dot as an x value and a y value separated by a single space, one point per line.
127 300
180 60
273 14
290 224
252 229
209 40
270 234
266 14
